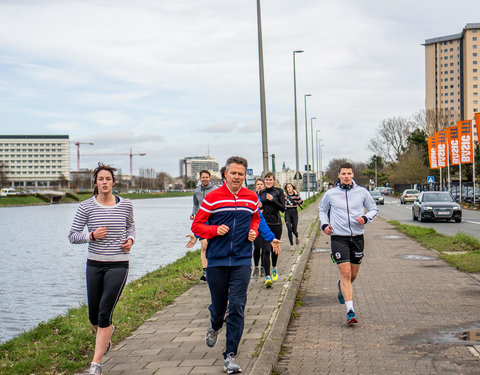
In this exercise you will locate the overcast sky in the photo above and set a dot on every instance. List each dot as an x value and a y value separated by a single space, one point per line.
180 78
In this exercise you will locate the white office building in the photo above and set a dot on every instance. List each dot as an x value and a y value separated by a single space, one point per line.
35 161
191 166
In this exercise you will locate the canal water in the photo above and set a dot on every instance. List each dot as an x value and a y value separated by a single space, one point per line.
42 275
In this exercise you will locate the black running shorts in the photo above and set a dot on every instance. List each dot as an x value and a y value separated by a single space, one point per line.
347 249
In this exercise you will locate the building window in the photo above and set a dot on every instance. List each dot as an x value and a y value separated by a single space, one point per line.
475 86
475 62
474 54
474 38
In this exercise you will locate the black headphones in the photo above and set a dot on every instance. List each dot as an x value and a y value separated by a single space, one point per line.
346 187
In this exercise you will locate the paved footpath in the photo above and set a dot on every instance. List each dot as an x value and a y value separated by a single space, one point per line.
173 340
410 305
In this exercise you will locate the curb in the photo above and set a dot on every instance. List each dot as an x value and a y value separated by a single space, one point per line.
270 351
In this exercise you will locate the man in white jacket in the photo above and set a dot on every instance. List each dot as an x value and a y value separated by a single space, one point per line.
342 215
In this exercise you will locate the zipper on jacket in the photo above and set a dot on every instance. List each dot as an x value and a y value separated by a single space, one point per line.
233 228
348 213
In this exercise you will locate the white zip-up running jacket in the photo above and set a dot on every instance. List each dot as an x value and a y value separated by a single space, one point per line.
344 208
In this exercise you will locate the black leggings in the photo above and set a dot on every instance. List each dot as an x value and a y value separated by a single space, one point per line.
257 249
291 220
104 286
267 248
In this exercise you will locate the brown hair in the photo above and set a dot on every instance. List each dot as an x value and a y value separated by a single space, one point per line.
345 165
269 174
222 172
102 167
289 183
204 171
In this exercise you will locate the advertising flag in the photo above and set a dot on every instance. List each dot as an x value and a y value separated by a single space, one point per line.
466 141
432 153
453 145
441 143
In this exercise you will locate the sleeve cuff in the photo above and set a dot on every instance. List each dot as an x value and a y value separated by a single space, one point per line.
324 226
365 219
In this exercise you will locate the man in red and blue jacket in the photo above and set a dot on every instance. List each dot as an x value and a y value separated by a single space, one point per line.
233 219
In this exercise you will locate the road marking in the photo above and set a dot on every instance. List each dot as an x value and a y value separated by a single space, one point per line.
473 222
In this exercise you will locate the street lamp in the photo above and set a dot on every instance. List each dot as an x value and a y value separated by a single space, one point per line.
313 152
263 111
297 165
306 144
318 160
320 146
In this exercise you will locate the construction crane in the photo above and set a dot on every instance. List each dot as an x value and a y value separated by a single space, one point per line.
78 151
130 154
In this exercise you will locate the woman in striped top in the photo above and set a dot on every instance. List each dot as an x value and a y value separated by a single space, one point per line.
111 233
292 201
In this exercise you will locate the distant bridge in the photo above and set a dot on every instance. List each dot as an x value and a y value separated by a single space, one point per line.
54 196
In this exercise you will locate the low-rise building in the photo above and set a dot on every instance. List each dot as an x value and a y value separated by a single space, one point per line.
33 161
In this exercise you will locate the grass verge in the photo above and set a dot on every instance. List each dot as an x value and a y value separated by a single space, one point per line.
65 344
468 259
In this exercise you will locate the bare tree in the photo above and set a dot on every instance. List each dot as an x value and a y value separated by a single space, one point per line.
333 166
391 138
437 120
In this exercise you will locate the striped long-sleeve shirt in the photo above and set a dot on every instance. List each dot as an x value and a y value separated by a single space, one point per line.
118 220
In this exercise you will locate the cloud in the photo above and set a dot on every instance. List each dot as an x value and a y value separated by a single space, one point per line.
65 127
110 118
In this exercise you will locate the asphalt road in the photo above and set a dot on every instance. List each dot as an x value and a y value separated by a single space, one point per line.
393 210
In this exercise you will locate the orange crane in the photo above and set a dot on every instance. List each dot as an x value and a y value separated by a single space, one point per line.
78 151
130 154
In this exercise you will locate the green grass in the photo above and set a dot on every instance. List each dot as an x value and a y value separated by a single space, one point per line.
64 344
461 242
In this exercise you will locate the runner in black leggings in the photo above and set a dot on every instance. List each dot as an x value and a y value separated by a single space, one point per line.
111 233
292 201
273 201
257 244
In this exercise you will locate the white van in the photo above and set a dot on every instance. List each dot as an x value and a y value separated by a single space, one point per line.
7 191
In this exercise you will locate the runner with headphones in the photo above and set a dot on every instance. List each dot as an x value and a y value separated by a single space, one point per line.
342 214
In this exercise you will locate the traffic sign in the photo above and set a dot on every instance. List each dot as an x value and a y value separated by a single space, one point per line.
431 179
249 172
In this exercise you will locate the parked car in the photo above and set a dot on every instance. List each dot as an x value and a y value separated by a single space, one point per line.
389 191
377 197
381 189
409 195
436 205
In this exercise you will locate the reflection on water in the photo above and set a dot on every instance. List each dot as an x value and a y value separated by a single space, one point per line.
42 275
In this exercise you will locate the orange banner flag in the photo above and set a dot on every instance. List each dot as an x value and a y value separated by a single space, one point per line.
466 141
441 142
432 153
453 145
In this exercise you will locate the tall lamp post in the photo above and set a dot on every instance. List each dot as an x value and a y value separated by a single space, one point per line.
318 160
313 154
320 146
297 163
263 111
306 144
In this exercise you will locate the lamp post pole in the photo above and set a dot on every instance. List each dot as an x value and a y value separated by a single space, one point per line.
320 146
313 155
263 111
318 160
306 144
297 163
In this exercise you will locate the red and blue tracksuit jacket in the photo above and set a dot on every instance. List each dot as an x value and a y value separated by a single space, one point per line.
237 211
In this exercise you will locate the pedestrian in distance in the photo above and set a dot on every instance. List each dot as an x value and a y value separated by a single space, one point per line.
232 215
342 215
111 234
292 201
273 202
206 186
264 233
